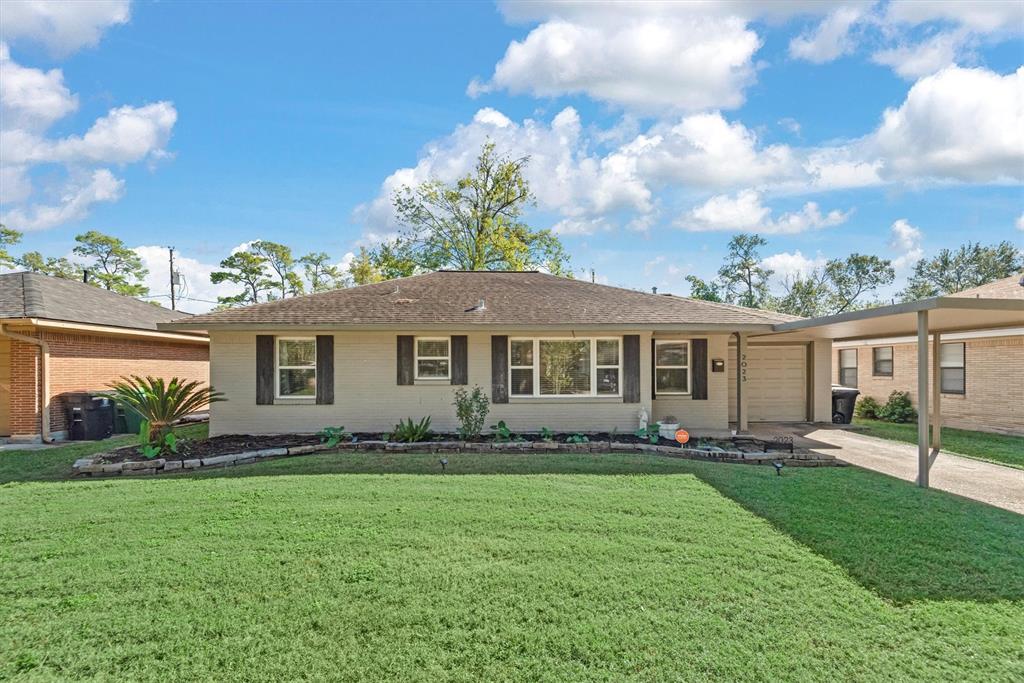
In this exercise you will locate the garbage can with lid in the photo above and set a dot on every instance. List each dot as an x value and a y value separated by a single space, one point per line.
90 416
126 419
843 401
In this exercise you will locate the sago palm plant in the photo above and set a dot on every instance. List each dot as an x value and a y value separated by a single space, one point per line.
160 403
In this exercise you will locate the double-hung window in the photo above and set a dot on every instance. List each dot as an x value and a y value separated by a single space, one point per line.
433 358
671 367
296 367
564 367
848 367
881 361
951 368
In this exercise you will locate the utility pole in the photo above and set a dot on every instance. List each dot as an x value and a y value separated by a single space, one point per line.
171 251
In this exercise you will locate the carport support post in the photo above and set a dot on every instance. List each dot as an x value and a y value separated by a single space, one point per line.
742 425
922 399
936 393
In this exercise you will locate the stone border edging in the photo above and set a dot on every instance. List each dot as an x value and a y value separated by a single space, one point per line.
92 466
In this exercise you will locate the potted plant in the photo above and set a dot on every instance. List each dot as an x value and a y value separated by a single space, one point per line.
667 427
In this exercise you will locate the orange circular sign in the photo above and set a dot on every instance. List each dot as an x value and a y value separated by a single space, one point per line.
682 436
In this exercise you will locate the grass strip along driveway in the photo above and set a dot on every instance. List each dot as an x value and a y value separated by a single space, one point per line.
536 567
1001 449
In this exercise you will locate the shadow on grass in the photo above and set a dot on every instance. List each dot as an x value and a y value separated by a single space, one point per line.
904 543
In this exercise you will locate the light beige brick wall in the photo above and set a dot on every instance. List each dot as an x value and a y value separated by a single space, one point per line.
994 370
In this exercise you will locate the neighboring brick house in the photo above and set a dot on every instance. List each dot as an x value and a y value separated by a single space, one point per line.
982 371
59 336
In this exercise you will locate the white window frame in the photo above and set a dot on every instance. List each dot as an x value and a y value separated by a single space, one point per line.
687 367
855 367
417 357
962 367
278 368
536 367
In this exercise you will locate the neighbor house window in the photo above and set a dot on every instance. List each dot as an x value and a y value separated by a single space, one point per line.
564 367
951 368
672 367
433 359
848 367
296 368
881 361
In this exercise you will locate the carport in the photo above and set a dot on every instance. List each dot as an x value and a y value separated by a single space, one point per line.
929 319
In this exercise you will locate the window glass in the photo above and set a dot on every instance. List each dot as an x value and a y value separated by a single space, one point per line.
672 354
432 359
671 367
522 382
848 367
882 361
297 382
296 353
564 367
522 353
296 367
951 364
672 380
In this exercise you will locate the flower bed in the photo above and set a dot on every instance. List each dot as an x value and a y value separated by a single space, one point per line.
229 450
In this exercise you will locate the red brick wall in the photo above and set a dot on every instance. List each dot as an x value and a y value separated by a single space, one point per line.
80 362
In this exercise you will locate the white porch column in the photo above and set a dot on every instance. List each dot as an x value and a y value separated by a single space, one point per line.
922 399
936 392
741 381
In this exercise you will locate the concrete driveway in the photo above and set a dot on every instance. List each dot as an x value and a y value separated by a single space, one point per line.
988 483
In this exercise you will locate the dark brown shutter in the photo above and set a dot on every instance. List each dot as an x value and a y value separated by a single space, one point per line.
699 390
631 368
264 369
654 372
325 369
406 359
460 359
499 368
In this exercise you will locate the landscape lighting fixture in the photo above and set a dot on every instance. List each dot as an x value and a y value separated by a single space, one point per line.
778 467
444 464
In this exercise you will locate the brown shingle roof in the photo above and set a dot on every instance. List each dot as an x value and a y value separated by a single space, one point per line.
34 295
1007 288
510 298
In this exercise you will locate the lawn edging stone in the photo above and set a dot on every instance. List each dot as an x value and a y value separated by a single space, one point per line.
95 466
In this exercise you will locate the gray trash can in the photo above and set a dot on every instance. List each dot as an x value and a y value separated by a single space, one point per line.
90 416
843 401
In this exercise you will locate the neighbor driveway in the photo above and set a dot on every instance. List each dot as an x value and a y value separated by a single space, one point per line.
992 484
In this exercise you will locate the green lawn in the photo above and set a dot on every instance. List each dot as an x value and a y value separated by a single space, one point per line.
530 567
998 448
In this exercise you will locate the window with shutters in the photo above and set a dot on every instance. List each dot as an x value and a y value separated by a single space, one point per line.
296 367
433 358
848 367
951 368
881 361
671 367
565 367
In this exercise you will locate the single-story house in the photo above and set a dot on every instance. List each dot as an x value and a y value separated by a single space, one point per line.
549 351
60 336
981 371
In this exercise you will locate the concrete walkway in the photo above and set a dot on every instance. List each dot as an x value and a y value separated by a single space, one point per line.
988 483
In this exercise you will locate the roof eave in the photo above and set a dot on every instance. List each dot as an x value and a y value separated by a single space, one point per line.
460 327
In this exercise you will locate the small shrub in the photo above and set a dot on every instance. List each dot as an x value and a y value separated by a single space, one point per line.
501 432
867 407
410 432
332 436
151 448
650 433
546 434
898 408
471 408
577 438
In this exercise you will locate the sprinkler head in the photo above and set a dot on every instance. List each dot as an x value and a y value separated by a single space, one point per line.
778 467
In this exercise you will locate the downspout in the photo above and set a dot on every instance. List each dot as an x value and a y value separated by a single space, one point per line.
44 367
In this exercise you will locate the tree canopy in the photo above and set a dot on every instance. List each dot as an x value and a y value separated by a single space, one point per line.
114 265
8 238
971 265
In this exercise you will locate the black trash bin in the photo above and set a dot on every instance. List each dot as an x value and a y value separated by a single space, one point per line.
843 401
90 416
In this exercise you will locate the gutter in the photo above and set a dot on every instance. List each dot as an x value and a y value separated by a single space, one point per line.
44 366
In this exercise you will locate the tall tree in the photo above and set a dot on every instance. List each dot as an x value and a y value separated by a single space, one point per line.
806 295
247 269
8 238
707 290
115 266
850 278
476 222
972 265
321 274
363 269
280 262
743 278
35 262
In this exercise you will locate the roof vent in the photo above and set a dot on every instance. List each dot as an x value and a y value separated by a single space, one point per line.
654 290
481 306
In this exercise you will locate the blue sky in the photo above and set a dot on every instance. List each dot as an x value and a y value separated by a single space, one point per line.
657 131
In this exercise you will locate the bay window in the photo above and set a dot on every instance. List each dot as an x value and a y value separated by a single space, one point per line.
564 367
671 367
296 368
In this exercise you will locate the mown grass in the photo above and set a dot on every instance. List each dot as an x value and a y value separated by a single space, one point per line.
537 567
998 448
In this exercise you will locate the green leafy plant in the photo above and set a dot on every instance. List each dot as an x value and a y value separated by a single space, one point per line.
408 431
898 408
161 404
332 436
501 432
650 433
546 434
867 407
471 408
577 438
151 449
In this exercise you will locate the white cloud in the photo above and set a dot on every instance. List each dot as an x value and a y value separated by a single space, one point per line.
74 202
789 266
32 99
746 212
830 40
980 15
1020 222
195 273
905 241
63 27
959 124
924 58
